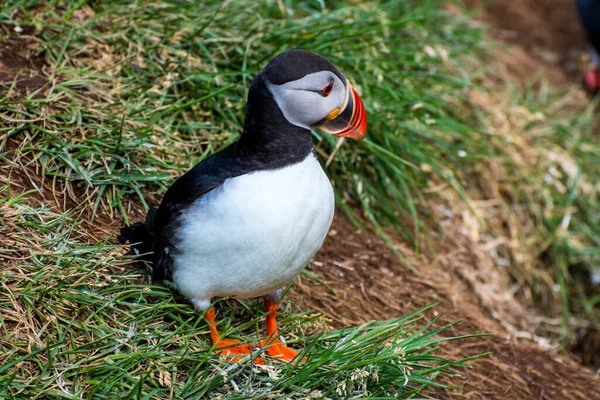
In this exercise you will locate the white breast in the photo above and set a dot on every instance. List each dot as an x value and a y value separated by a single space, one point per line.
254 234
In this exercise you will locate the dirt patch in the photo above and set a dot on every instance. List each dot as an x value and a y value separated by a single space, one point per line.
545 34
21 63
372 284
19 175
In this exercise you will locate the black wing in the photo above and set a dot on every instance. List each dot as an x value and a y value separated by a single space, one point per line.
192 185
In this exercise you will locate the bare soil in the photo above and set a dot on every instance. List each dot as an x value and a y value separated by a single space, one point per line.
544 34
21 63
370 282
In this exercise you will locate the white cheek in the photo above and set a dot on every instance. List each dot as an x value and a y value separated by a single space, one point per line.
301 107
304 107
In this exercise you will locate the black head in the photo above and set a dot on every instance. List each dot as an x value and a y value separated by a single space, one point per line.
296 64
310 92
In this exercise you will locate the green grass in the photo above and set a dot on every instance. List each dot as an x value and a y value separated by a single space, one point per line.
138 93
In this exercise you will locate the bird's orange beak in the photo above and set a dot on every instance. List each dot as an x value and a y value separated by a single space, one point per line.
350 120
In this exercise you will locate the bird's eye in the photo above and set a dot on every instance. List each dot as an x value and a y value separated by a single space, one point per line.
327 89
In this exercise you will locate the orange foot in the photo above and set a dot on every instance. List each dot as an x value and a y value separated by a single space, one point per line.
273 346
280 351
227 348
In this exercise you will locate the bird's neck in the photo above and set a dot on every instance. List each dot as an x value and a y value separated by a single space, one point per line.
267 132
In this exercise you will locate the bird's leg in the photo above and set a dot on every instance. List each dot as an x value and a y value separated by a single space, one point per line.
228 347
272 344
271 319
271 302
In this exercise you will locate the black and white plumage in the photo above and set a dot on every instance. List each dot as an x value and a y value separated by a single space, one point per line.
245 221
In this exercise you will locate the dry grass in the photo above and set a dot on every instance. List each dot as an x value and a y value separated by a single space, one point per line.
543 219
134 98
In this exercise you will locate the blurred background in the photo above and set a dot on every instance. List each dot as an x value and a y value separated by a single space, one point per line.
478 186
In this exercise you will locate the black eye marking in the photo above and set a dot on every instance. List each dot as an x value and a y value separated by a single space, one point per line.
327 89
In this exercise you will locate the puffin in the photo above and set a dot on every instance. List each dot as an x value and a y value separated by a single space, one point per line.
245 221
589 15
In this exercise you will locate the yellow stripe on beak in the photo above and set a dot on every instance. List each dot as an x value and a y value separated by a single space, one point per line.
332 115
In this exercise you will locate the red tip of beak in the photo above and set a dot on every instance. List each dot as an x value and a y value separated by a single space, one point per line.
357 128
352 122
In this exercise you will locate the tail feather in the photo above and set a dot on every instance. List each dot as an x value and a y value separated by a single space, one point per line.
139 236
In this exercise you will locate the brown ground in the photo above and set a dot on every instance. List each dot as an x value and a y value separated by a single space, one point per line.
371 283
369 280
545 36
20 63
